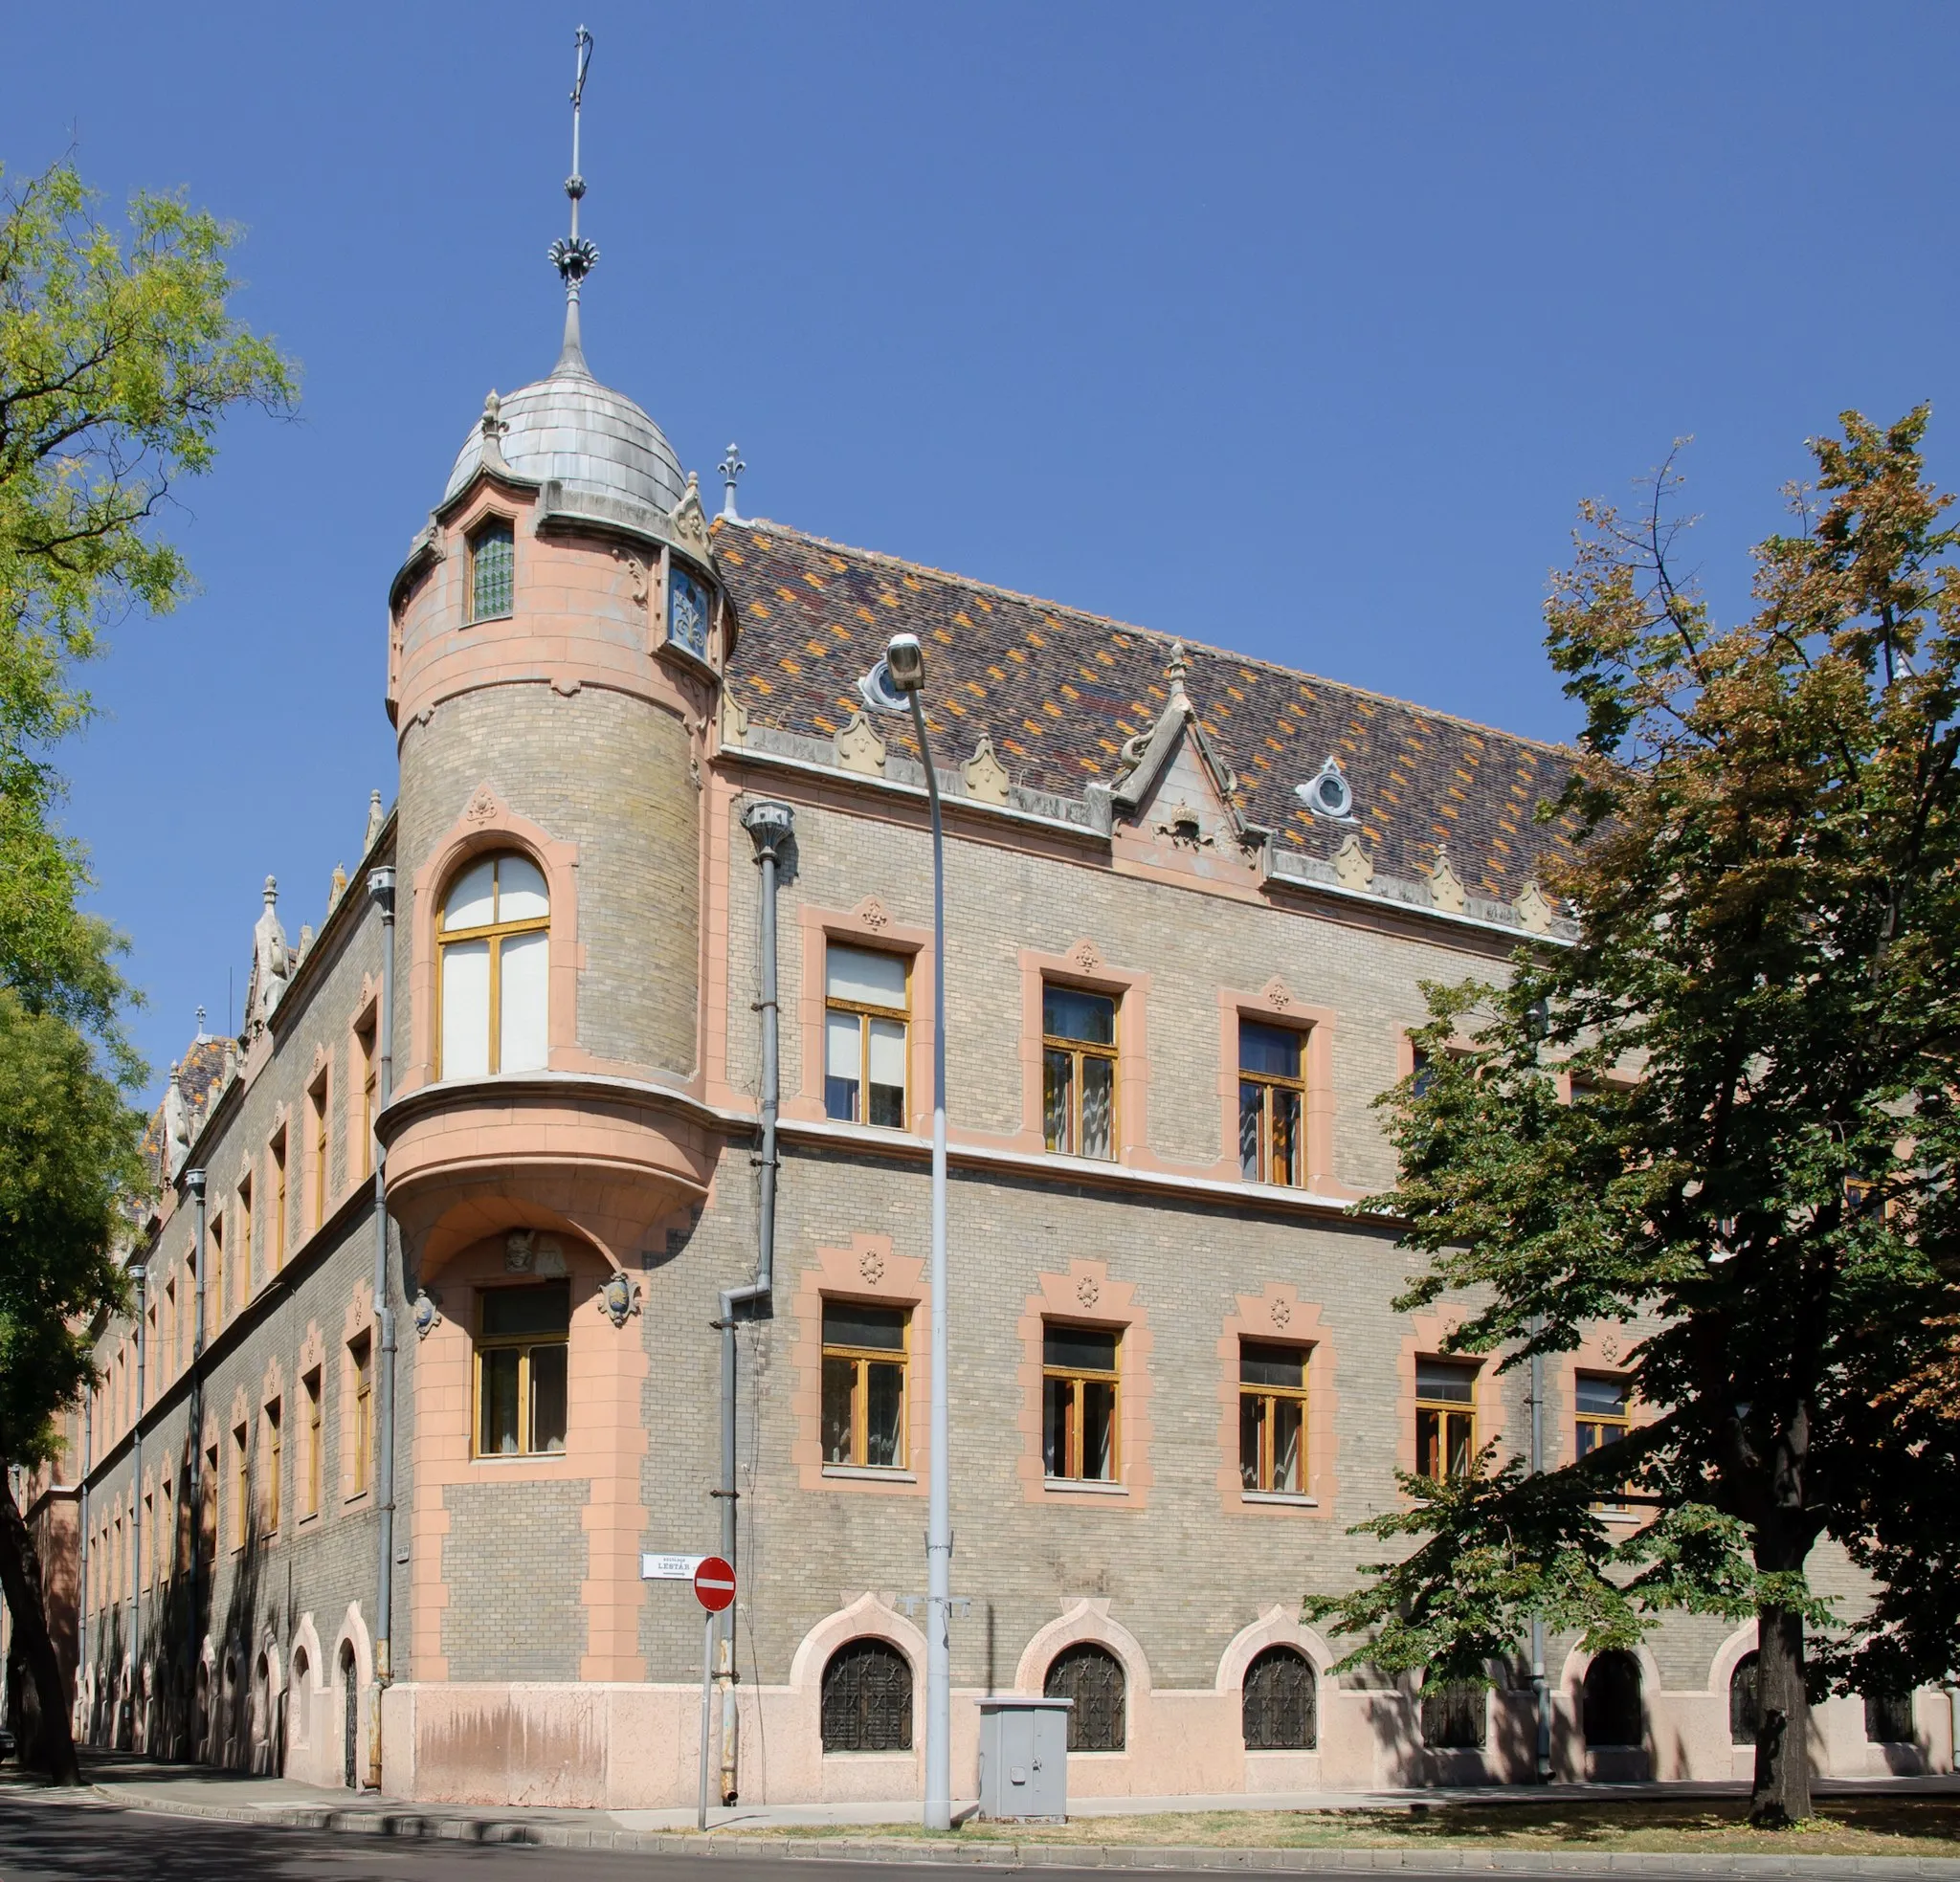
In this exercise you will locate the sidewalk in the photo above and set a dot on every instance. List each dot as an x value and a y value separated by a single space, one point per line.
134 1784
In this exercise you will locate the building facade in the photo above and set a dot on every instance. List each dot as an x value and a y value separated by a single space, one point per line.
364 1492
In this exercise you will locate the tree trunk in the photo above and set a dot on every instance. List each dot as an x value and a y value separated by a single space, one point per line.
1781 1794
52 1747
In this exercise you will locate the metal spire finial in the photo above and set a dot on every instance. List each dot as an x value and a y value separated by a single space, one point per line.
573 257
731 468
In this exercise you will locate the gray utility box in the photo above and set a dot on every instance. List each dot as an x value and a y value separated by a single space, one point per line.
1024 1759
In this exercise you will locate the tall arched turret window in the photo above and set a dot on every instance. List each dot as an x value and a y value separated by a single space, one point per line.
494 940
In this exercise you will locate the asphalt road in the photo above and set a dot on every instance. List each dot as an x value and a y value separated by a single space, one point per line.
60 1841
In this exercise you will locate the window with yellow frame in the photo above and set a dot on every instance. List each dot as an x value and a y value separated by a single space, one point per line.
1078 1071
493 978
867 1011
361 1364
1272 1096
1272 1417
1445 1417
522 1372
864 1353
1081 1386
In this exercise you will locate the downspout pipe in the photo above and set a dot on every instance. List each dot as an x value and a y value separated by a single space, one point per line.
381 888
79 1726
139 1272
769 826
193 1181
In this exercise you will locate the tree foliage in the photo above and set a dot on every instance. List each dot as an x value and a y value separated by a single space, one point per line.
1751 1170
118 357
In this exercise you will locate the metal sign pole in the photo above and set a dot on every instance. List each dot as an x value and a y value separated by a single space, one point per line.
708 1696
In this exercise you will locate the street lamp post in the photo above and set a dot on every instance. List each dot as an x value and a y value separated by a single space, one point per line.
902 676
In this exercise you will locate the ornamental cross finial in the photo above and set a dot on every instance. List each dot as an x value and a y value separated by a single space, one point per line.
1176 669
573 257
731 468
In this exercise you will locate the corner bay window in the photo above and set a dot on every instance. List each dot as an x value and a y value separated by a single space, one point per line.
864 1386
865 1009
494 945
1271 1092
1078 1402
521 1370
493 558
1078 1071
1272 1418
1445 1418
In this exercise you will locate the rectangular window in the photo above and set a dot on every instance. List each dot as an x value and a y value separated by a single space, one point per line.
1272 1094
493 556
317 1115
1078 1072
866 1012
274 1459
166 1536
360 1361
1445 1417
1272 1417
363 1041
149 1538
521 1370
864 1386
310 1390
1078 1399
276 1230
245 1232
1601 1415
207 1510
241 1486
214 1240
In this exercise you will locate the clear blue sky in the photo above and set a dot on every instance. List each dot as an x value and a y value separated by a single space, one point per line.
1295 328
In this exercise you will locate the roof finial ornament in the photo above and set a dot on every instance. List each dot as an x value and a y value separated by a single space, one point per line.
731 468
1176 669
200 1026
573 257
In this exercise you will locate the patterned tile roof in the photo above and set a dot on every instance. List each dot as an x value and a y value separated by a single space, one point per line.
1060 690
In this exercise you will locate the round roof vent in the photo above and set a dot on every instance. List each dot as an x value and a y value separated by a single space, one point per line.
1327 793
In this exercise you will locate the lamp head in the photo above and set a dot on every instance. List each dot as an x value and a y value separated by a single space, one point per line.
904 659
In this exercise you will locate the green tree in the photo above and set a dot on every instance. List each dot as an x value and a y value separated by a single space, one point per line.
1762 1009
118 358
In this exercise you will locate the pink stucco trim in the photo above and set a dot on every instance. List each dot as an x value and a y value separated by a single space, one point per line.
1275 1005
1278 1314
867 926
1086 1297
1084 966
1425 1341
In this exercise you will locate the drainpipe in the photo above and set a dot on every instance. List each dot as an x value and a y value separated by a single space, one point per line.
1540 1688
768 826
381 887
193 1181
88 1410
140 1274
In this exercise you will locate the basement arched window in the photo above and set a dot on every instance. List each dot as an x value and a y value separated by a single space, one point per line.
494 949
1745 1706
1092 1676
1609 1703
1280 1709
868 1698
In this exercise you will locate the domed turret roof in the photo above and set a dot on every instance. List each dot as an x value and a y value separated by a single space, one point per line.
590 438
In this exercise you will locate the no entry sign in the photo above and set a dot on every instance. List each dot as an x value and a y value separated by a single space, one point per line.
714 1584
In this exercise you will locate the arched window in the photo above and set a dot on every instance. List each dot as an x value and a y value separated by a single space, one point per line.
1609 1703
1452 1715
1281 1711
867 1698
493 558
350 1719
1092 1676
1745 1703
494 943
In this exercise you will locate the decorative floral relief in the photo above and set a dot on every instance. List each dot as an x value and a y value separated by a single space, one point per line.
871 1265
482 807
1283 1314
1278 995
1085 955
871 914
1087 1292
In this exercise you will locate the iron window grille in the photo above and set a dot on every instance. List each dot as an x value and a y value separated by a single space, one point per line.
1611 1711
867 1012
1280 1702
1080 1400
867 1698
1272 1417
1445 1418
493 562
864 1384
1888 1718
1745 1704
1452 1715
1093 1677
1078 1072
1272 1094
522 1372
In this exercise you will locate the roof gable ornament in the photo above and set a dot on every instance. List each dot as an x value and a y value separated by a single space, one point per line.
983 775
1151 757
492 428
272 963
860 748
1534 910
689 523
1445 886
731 468
1353 866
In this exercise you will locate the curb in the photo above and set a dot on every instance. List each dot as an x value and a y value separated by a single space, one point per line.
413 1825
